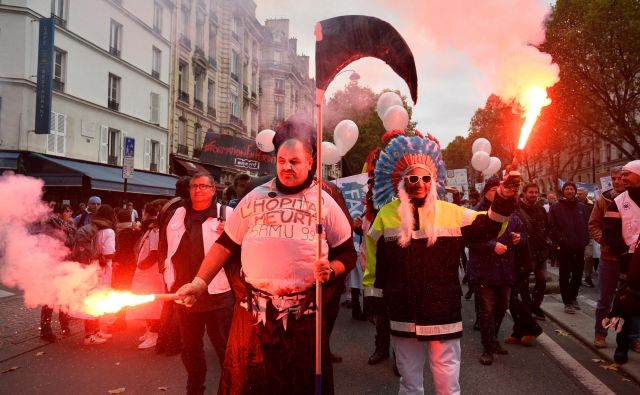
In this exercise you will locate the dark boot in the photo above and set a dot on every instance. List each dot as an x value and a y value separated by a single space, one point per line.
64 323
622 339
378 356
497 348
356 310
45 324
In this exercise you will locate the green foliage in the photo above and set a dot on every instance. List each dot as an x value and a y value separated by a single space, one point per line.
596 43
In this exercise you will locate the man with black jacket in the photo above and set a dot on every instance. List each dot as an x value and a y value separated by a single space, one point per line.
536 223
568 228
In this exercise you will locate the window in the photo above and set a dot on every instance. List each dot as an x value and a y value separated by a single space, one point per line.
156 62
211 96
276 57
155 108
157 18
155 155
197 137
197 91
58 10
185 23
57 138
235 66
235 105
114 92
279 89
200 30
181 130
115 39
59 69
235 28
182 82
279 111
114 147
213 44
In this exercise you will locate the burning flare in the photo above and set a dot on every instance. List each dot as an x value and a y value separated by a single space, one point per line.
104 301
533 101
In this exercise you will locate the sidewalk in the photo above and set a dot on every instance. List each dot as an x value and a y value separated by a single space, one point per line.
19 325
581 326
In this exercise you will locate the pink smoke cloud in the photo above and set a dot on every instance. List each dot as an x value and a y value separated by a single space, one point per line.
35 263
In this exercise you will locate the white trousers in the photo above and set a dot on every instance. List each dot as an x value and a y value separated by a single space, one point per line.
444 361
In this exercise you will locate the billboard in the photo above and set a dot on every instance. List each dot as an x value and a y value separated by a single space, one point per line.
45 76
236 152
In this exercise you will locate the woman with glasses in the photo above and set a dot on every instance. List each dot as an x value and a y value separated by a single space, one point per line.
413 252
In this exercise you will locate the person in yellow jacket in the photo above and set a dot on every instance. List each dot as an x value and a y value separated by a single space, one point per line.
413 251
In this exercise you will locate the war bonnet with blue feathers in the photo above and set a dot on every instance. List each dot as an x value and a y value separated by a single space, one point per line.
401 154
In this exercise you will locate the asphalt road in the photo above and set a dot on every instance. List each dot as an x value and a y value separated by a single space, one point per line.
69 367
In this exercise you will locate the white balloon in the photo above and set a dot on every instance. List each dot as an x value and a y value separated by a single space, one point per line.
493 167
345 135
481 144
330 153
385 101
480 160
396 118
264 140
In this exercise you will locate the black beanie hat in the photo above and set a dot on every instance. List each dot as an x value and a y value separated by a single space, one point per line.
493 181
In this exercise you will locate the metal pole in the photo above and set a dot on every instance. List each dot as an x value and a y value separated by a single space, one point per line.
319 230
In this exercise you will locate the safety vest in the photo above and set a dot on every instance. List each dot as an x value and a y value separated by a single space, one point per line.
630 216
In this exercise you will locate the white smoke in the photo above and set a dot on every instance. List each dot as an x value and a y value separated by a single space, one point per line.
35 263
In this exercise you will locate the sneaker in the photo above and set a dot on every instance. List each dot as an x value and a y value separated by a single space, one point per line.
150 340
93 339
528 340
538 314
588 283
569 309
104 335
576 305
143 337
600 341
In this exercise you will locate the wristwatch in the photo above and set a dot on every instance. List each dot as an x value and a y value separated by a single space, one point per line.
332 273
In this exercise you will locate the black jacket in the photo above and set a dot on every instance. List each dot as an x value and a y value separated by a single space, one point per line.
568 221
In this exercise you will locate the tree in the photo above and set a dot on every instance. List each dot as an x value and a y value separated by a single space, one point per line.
596 44
457 154
357 103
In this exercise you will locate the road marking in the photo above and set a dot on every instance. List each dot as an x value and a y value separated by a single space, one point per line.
4 294
588 301
591 382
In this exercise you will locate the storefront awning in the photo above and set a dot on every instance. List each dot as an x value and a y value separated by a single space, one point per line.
69 172
191 167
9 160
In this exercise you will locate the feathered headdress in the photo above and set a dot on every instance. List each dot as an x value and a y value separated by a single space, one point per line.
401 154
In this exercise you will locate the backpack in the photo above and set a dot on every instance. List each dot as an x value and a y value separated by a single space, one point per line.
85 250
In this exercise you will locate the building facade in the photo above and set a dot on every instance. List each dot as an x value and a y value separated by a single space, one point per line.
216 50
110 80
286 88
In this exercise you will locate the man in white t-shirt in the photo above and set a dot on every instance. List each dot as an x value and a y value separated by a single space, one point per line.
271 343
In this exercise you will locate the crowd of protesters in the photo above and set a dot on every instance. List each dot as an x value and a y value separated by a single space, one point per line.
174 244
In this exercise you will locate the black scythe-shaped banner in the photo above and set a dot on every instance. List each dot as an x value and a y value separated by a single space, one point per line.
340 41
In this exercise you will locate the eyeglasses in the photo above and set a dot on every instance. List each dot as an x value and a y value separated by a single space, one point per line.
202 187
414 179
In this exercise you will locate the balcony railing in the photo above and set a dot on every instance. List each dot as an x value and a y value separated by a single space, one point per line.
235 120
213 62
254 95
112 160
278 91
185 41
211 111
114 51
153 167
197 152
198 51
235 36
114 105
245 90
235 77
58 85
197 104
59 21
183 96
183 149
155 74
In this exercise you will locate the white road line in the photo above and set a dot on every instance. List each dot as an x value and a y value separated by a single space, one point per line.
591 382
4 294
588 301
